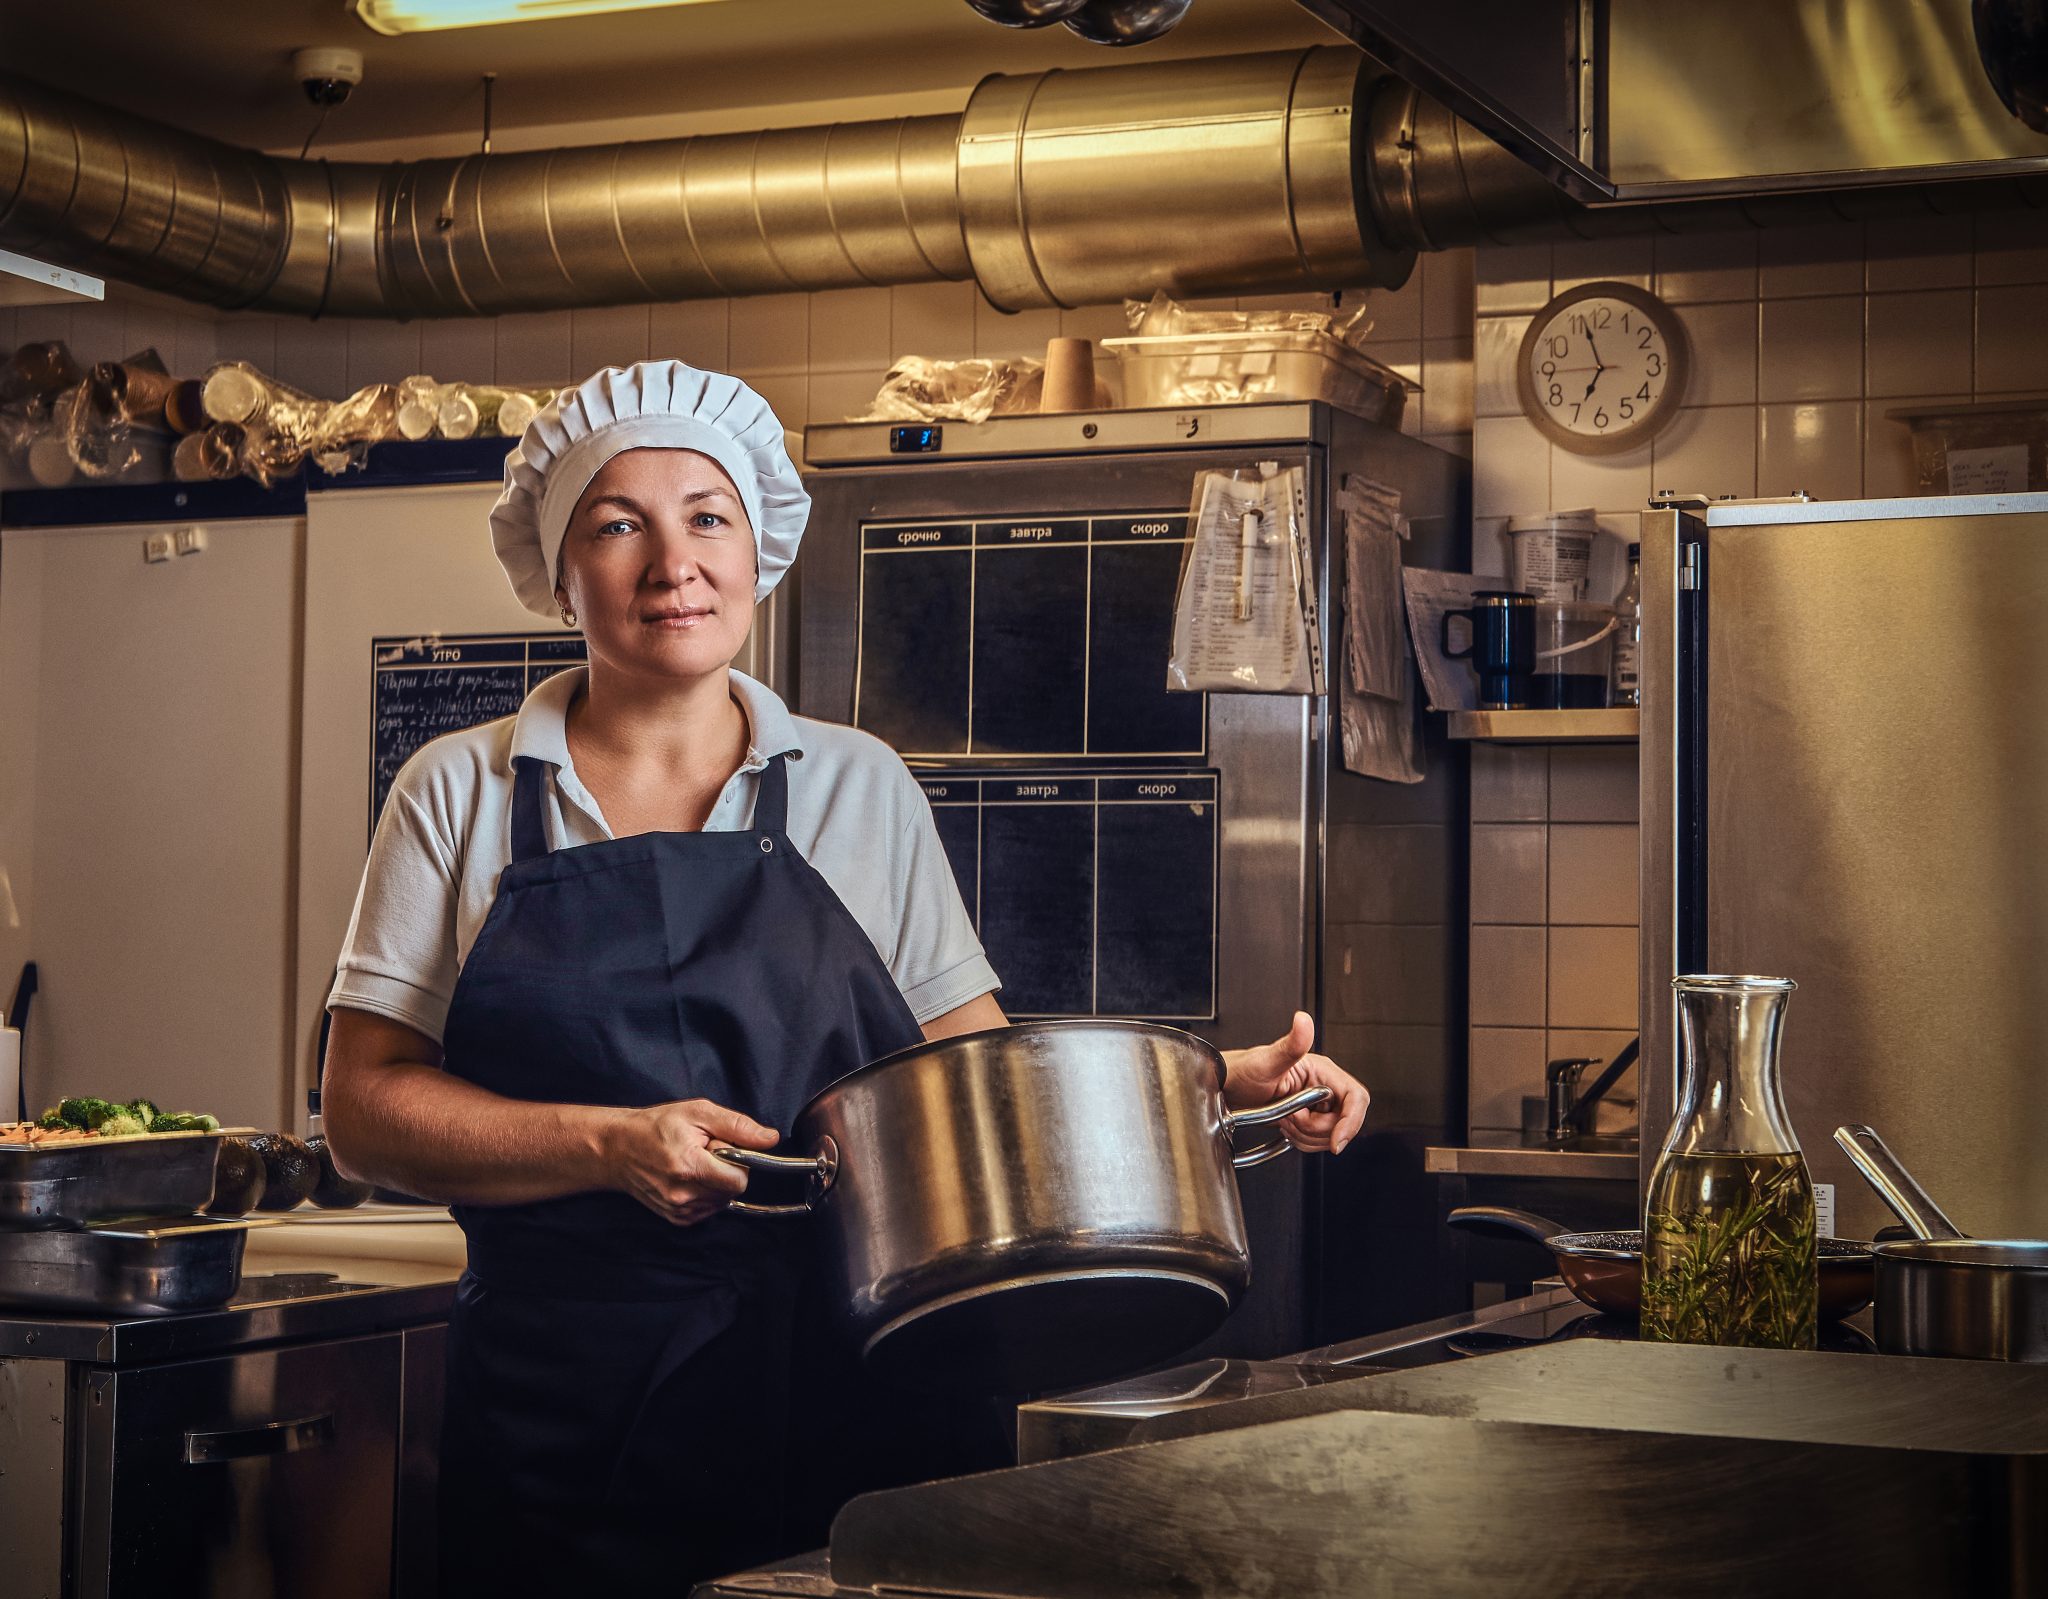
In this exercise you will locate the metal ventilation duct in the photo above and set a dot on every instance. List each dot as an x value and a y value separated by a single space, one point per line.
1242 175
1061 188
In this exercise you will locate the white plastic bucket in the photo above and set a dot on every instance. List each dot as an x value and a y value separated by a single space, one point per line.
1550 553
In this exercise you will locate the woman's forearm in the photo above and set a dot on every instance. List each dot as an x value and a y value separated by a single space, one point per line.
394 1118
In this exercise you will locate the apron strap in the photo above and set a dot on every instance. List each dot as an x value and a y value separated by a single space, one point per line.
771 800
529 829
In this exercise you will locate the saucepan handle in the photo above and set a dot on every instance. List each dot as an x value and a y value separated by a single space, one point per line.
822 1168
1896 1186
1279 1110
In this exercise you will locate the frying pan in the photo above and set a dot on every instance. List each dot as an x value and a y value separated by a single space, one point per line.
1942 1292
1606 1269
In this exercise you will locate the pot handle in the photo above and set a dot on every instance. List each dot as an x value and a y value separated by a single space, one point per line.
1500 1221
1279 1110
823 1168
1894 1184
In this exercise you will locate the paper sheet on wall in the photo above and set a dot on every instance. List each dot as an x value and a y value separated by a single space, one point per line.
1245 619
1451 685
1376 698
1998 469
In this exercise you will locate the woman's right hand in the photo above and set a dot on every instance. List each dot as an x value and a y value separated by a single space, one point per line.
662 1156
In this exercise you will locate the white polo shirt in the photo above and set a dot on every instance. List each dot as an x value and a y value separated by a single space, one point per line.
855 813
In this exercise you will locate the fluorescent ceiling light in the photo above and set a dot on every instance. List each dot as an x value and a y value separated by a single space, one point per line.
428 16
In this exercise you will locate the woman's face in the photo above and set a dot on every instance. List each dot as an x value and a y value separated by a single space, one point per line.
658 564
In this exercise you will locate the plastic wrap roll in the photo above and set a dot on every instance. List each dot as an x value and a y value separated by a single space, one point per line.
419 408
516 410
49 460
234 392
460 414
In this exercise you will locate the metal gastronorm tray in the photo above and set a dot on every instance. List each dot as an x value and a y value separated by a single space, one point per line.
145 1268
71 1184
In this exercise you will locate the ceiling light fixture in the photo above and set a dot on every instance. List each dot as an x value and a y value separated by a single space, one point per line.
430 16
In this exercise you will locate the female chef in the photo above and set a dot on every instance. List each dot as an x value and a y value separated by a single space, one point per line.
648 916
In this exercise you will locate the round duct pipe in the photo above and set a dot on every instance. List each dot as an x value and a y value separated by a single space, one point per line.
1203 177
1245 175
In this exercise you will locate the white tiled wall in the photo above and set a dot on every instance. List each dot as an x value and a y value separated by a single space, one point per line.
1553 970
1802 339
815 357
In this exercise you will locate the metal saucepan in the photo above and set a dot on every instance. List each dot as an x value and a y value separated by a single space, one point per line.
1942 1292
1606 1269
1030 1207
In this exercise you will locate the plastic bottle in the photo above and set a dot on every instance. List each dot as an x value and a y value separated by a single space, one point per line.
1628 641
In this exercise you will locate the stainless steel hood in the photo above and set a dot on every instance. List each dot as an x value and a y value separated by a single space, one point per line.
1654 100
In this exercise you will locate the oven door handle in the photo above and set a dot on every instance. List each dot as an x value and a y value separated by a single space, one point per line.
271 1438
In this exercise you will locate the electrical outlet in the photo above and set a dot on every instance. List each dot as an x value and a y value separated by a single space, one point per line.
158 547
189 540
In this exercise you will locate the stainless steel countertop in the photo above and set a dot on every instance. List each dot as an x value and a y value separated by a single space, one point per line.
1513 1155
269 1307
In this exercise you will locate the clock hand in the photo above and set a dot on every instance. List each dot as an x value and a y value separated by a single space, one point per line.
1597 370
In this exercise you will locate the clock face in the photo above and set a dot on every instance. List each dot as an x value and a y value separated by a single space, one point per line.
1602 368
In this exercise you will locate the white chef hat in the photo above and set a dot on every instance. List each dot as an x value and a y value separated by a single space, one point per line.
649 405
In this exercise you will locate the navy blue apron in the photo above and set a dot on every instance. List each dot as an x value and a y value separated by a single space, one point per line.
628 1399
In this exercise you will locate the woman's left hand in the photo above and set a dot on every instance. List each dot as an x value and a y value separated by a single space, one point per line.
1273 1071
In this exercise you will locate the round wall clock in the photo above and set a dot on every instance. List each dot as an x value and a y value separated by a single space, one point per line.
1602 368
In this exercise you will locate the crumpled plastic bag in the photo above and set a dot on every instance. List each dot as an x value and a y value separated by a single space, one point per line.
920 389
1162 316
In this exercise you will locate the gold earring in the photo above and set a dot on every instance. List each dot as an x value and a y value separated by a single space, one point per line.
568 617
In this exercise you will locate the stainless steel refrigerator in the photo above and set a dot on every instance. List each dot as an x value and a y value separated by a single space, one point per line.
1845 782
996 601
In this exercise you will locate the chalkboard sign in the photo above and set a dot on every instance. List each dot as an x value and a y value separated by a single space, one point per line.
1040 638
430 684
1094 895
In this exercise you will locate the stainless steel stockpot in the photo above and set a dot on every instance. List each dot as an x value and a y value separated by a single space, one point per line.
1029 1207
1941 1292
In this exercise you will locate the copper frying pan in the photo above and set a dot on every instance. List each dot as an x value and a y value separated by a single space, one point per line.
1605 1270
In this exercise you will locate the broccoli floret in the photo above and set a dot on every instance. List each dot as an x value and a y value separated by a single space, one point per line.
87 1113
52 1120
120 1125
143 1110
185 1122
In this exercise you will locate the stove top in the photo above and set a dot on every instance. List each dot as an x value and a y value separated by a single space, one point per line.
1125 1412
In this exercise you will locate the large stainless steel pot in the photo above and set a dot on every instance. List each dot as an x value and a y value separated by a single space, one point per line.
1029 1207
1942 1292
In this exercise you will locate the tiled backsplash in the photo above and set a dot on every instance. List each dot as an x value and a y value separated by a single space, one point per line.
1803 339
815 357
1553 917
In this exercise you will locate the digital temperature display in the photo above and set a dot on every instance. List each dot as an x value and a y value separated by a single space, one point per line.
915 440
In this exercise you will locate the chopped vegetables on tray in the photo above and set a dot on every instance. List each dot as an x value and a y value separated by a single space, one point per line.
74 1119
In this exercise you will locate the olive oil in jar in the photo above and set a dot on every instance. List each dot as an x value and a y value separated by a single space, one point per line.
1729 1251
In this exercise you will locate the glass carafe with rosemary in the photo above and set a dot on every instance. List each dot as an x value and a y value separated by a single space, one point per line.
1729 1248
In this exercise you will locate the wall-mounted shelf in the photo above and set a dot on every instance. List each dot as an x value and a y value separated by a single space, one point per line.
1613 725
